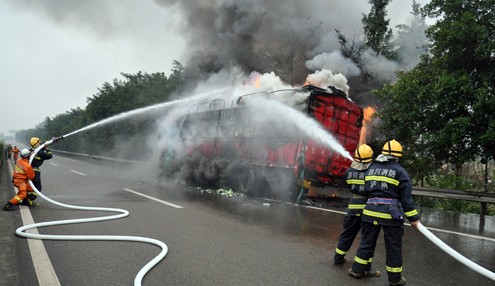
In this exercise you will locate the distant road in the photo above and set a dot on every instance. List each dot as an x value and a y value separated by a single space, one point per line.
216 240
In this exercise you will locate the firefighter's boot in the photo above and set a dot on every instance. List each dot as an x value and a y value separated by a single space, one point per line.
9 207
368 273
356 275
338 261
371 273
32 203
338 258
402 281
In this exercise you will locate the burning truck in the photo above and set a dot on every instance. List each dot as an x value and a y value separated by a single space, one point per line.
226 144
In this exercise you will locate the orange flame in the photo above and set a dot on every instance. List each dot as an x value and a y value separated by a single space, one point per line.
310 81
256 81
368 113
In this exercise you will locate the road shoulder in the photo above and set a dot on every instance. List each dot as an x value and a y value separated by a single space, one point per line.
16 267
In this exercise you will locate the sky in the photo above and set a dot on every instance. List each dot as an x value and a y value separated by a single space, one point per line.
51 65
56 54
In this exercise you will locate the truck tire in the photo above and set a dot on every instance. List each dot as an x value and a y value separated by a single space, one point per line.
247 182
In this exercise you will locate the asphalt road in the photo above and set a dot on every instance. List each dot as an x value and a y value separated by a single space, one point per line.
212 240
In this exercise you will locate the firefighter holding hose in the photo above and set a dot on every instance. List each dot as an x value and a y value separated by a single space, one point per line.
388 188
39 158
354 177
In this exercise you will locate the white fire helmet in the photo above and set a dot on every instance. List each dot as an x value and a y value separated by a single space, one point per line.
25 153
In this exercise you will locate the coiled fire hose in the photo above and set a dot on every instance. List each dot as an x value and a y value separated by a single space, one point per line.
459 257
21 231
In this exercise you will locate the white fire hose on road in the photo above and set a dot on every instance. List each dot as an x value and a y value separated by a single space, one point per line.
455 254
21 231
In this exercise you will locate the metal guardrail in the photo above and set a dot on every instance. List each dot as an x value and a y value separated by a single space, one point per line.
481 197
455 194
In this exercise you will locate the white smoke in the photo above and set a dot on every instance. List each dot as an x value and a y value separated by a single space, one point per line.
325 78
335 62
381 68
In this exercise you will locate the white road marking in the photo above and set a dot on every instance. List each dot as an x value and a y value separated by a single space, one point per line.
54 164
155 199
42 264
82 174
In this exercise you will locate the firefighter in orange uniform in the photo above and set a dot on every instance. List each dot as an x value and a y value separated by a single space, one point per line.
15 151
22 173
388 188
354 177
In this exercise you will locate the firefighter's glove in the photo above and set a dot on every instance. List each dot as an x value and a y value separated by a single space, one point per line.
56 139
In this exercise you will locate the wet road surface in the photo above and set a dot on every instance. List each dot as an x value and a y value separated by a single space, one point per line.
220 240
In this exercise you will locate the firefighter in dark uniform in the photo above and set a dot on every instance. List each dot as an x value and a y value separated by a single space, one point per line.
388 188
39 158
352 223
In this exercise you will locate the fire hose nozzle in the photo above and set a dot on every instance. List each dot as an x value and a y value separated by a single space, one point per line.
55 139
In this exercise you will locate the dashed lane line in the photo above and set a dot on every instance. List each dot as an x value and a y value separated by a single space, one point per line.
154 199
54 164
82 174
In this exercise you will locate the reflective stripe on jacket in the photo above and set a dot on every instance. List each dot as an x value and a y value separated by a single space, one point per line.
355 181
388 187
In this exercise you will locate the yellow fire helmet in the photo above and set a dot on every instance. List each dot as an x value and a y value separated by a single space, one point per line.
35 142
392 148
363 154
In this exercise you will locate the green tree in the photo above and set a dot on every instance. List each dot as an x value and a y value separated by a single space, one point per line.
377 33
443 107
464 45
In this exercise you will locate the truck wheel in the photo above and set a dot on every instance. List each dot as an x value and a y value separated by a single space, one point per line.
282 184
247 182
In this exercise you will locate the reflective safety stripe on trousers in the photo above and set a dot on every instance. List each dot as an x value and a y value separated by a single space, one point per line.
382 179
361 261
394 269
341 252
